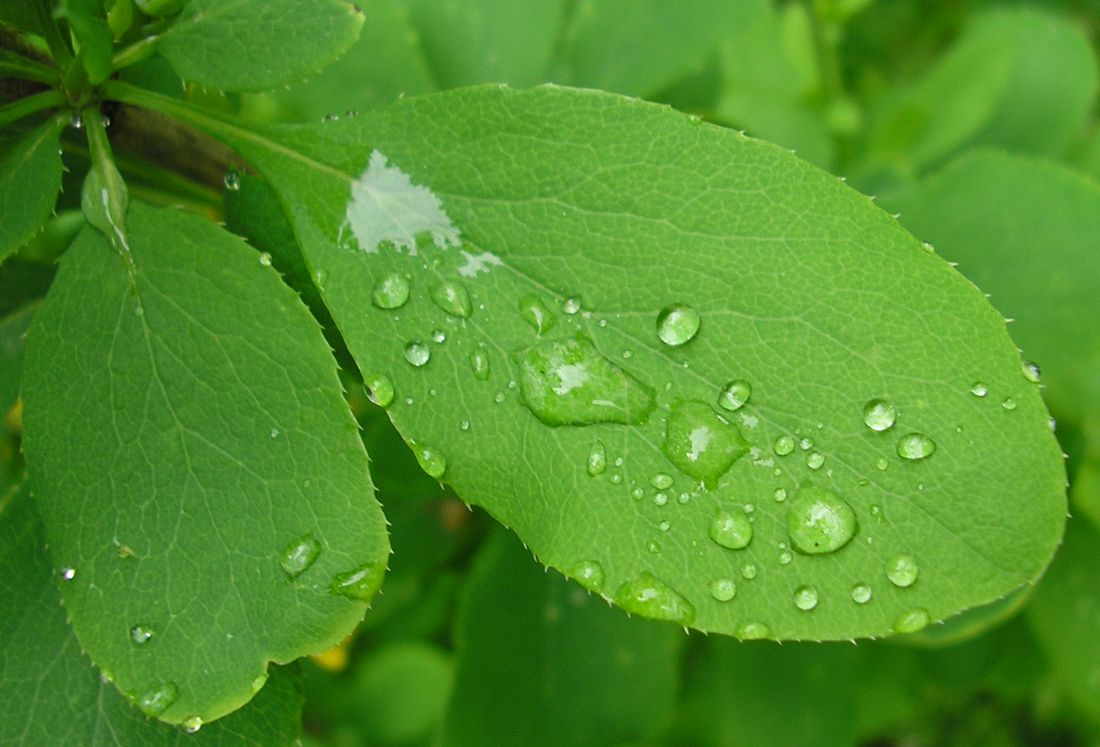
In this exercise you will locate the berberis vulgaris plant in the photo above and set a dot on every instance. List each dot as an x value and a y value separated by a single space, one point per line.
699 377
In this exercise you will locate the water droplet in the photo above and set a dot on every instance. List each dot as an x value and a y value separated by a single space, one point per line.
431 461
915 446
299 555
805 598
76 121
588 574
861 593
785 558
566 382
391 292
753 631
661 481
265 259
535 313
616 479
258 682
683 497
749 571
68 574
571 305
665 525
637 493
192 724
439 336
806 444
274 433
417 353
819 521
359 583
979 389
877 513
780 495
453 298
653 546
700 443
379 389
597 460
815 459
784 445
1009 404
1032 372
732 530
677 324
723 589
735 395
881 464
912 620
902 570
140 633
650 597
879 415
156 701
479 362
660 499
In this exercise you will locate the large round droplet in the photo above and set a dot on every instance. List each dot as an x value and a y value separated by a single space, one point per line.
784 445
735 394
979 389
902 570
861 593
156 701
358 583
912 620
731 529
650 597
453 298
819 521
723 589
391 292
677 324
879 415
431 460
140 633
379 389
701 443
417 354
588 574
915 446
535 313
299 555
597 460
805 598
661 481
815 460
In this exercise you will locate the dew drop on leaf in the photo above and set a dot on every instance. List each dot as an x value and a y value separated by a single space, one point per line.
597 460
912 620
1009 404
140 634
1032 372
914 446
902 570
731 529
881 464
753 631
749 571
723 589
535 313
453 298
192 724
805 598
379 389
978 389
391 292
677 324
232 180
417 353
299 555
819 521
785 558
359 583
571 305
156 701
479 363
780 495
815 460
735 394
879 415
68 574
660 499
430 460
265 259
661 481
700 443
861 593
589 574
650 597
784 445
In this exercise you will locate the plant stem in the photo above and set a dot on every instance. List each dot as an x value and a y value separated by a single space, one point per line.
105 198
832 87
60 51
35 103
20 67
135 53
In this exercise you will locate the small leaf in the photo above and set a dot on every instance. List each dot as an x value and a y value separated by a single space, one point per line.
575 671
211 436
88 21
50 693
255 45
13 329
30 178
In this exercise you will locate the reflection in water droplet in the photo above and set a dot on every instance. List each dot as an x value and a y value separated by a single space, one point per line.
566 382
879 415
588 574
431 461
784 445
732 530
979 389
815 460
453 298
650 597
535 313
819 521
805 598
661 481
265 259
912 620
379 389
359 583
914 446
417 353
1032 372
753 631
902 570
299 555
677 324
391 292
597 460
735 395
68 574
192 724
140 633
700 443
723 589
156 701
861 593
1009 403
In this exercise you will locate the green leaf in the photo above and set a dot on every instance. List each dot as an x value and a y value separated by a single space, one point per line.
1065 615
22 14
541 662
50 693
488 41
637 47
255 45
88 21
1020 79
13 328
30 178
191 455
562 228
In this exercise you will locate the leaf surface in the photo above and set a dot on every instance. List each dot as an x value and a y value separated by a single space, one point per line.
255 45
30 178
13 329
574 222
202 483
575 671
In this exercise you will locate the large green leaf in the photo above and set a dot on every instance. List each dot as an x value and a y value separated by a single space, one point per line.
573 670
51 694
204 491
13 329
571 219
255 45
30 178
